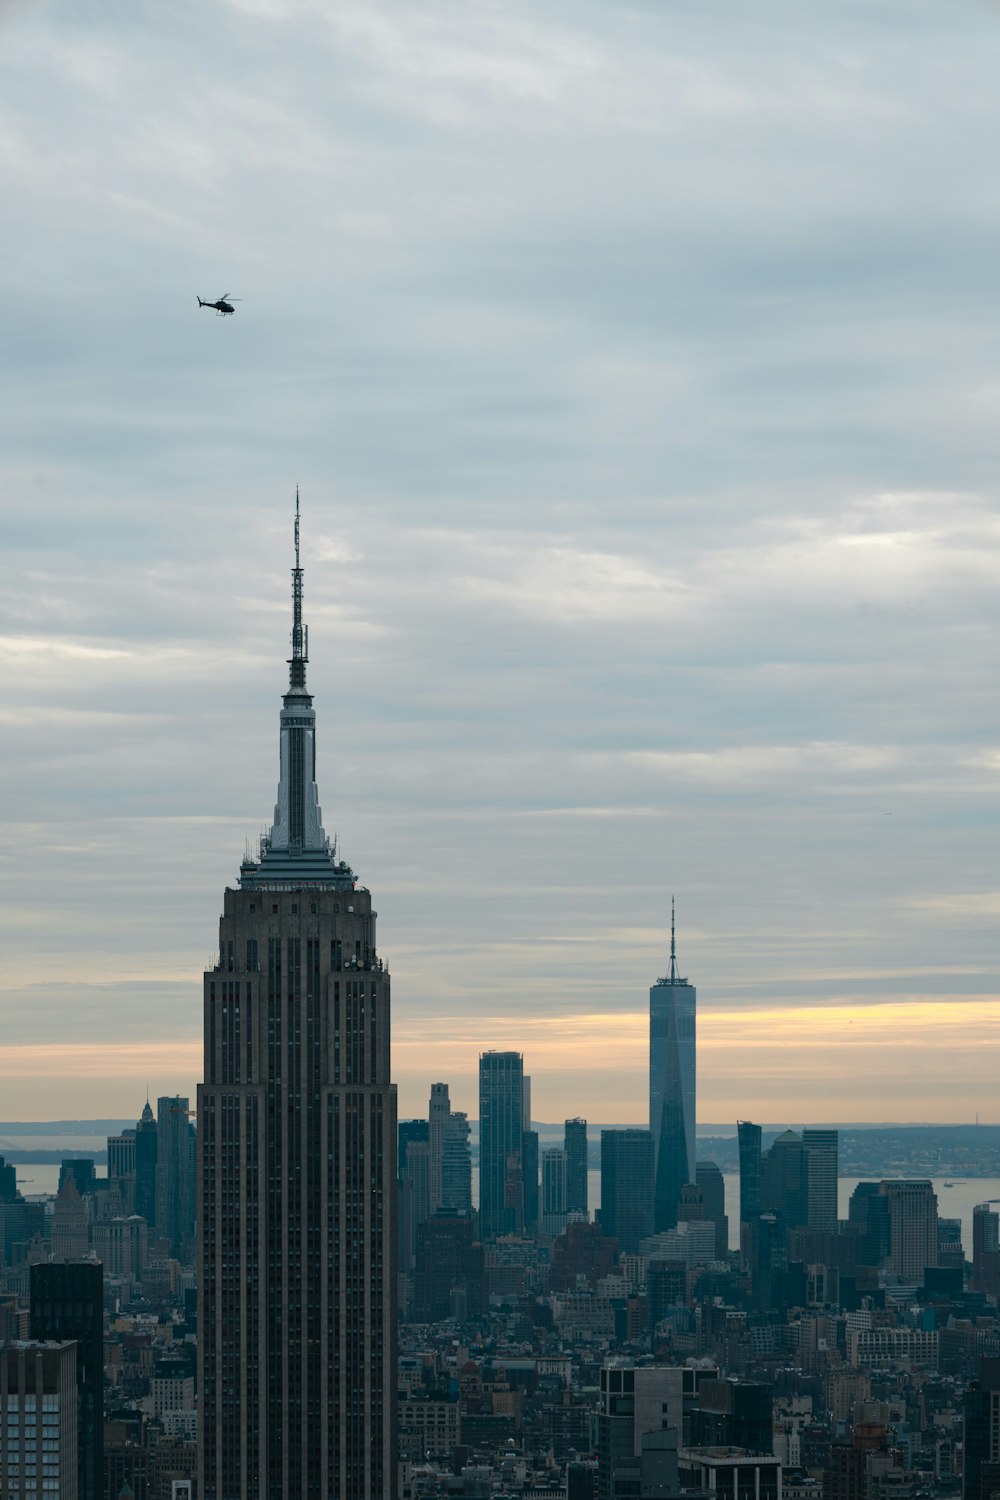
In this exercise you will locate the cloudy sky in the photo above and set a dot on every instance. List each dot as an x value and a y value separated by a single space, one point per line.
640 366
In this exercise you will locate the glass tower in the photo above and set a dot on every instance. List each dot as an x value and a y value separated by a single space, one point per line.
501 1143
672 1085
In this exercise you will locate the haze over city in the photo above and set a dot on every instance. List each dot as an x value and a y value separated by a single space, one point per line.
638 369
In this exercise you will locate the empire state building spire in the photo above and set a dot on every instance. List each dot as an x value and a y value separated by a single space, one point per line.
296 849
300 633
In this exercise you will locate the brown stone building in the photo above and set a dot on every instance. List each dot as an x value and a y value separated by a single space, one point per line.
296 1164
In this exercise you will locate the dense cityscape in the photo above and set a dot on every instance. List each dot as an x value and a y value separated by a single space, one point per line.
283 1293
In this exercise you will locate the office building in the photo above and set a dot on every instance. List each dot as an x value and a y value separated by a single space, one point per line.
913 1227
38 1402
8 1182
448 1279
413 1203
575 1146
456 1165
122 1246
501 1141
121 1172
785 1180
868 1220
733 1414
437 1116
981 1433
713 1196
751 1169
672 1007
635 1403
666 1287
822 1166
70 1222
67 1306
529 1180
81 1170
554 1175
296 1163
986 1250
175 1175
145 1165
626 1183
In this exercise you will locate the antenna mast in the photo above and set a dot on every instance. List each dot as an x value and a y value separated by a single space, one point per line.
300 634
673 942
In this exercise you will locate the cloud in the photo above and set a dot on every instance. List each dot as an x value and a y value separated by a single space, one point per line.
633 369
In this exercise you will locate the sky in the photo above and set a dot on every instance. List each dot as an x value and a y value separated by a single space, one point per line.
639 364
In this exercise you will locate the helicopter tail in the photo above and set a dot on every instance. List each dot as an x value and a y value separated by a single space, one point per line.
202 304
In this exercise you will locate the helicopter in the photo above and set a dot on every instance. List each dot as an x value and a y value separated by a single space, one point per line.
224 307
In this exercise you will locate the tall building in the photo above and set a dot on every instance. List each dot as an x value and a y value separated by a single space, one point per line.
554 1179
529 1180
413 1203
175 1174
70 1223
121 1172
437 1116
672 1005
575 1146
501 1141
985 1249
868 1218
822 1163
913 1227
456 1165
713 1195
38 1400
639 1406
448 1279
751 1169
981 1433
145 1166
626 1180
296 1163
785 1180
449 1165
67 1306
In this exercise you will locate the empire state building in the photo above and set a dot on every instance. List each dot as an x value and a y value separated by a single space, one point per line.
296 1163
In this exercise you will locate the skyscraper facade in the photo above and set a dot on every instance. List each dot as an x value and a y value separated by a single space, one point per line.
913 1226
67 1306
713 1192
626 1180
985 1249
575 1146
296 1158
553 1210
175 1173
822 1162
751 1156
121 1172
437 1116
145 1165
501 1142
456 1165
672 1087
38 1397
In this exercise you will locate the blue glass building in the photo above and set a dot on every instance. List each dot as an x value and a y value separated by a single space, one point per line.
672 1088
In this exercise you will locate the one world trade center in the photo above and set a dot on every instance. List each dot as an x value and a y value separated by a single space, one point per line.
672 1087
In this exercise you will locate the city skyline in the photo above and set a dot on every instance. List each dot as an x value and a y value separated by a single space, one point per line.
654 518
